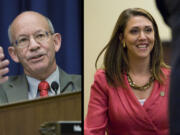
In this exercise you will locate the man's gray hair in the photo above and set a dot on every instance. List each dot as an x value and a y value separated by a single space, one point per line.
51 28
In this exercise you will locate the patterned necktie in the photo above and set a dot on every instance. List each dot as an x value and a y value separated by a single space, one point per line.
43 88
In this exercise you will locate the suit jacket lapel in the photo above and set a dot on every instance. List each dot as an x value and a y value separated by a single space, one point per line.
137 112
17 89
64 80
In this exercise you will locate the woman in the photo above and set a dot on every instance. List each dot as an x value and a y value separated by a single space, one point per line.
130 93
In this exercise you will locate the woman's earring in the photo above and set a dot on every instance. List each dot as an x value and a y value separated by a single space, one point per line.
124 44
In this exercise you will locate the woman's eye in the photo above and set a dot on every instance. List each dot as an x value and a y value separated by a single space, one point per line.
134 31
148 30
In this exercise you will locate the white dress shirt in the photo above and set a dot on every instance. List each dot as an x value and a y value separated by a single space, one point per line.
33 85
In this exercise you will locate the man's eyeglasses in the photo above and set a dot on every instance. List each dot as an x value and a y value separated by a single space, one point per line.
39 37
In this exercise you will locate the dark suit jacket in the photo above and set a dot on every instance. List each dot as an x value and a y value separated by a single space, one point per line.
170 10
16 88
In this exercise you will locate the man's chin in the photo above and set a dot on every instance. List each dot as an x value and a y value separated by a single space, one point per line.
38 70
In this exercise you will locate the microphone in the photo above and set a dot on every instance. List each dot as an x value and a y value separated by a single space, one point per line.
55 86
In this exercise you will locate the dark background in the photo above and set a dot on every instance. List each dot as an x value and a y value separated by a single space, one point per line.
66 17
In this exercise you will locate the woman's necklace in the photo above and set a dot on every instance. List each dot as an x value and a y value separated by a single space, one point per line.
142 88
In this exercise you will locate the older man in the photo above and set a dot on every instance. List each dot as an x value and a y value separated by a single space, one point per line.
34 44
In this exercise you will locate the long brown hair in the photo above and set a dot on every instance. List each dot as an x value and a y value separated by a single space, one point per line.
115 59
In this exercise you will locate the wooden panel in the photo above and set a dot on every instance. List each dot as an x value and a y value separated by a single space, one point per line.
25 118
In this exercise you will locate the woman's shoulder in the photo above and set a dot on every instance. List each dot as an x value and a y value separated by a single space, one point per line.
100 73
100 77
166 71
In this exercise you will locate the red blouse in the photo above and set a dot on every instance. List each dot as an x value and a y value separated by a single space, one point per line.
118 111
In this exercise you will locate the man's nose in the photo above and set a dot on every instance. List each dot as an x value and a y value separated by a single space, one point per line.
33 44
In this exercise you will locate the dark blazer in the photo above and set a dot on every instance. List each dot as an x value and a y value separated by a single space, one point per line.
16 88
170 10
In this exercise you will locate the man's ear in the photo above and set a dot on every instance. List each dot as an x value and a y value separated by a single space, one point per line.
13 54
57 41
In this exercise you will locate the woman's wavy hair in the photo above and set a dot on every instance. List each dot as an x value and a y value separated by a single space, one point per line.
115 61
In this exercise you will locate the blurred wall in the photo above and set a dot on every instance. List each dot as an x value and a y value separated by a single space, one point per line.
100 17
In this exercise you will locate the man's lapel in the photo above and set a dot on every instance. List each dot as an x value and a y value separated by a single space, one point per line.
65 84
17 89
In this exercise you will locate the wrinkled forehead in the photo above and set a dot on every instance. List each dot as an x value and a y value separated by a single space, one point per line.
28 23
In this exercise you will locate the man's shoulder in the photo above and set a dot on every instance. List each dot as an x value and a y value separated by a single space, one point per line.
64 74
15 80
65 78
